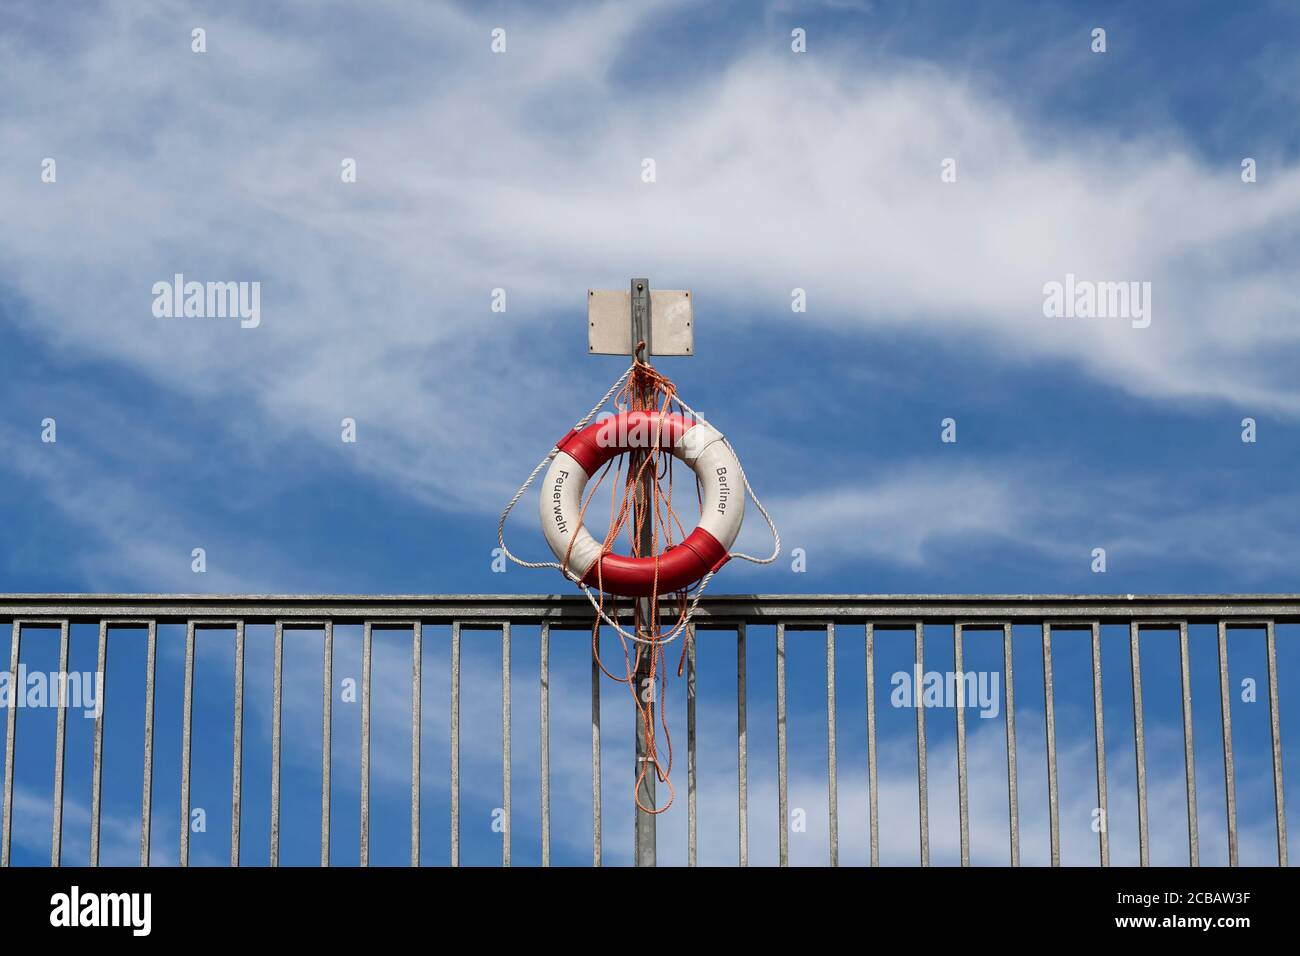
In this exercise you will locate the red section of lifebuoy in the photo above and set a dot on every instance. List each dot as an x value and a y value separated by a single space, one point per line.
679 567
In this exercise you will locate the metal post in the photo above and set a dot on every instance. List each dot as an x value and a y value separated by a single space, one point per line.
644 844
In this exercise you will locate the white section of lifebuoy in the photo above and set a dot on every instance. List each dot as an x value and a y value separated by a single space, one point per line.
724 493
700 446
561 503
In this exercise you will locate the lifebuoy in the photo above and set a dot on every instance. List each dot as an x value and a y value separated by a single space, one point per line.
705 549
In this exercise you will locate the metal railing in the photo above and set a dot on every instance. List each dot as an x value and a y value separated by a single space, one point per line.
831 614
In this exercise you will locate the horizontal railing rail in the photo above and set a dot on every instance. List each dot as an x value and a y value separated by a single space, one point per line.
574 609
832 614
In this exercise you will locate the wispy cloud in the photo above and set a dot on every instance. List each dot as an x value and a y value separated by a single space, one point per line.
521 171
126 537
923 511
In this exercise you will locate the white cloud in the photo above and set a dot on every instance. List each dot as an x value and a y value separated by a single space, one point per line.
901 518
921 509
521 170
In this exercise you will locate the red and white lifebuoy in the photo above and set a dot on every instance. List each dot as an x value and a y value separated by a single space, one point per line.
705 549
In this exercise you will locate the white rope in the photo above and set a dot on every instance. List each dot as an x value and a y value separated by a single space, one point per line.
501 525
682 625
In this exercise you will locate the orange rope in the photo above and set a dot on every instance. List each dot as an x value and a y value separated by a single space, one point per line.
646 390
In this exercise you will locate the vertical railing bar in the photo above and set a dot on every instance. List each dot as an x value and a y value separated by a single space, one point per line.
691 818
963 799
11 727
874 809
60 740
783 799
742 747
367 651
455 743
97 760
237 763
832 782
1099 736
1013 787
1279 800
187 718
545 732
417 691
146 800
596 838
1139 740
505 743
1229 772
922 785
1049 697
327 740
277 697
1189 759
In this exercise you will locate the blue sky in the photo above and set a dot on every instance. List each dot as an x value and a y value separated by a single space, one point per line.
521 171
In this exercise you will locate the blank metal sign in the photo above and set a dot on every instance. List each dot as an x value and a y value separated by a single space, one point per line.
609 322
